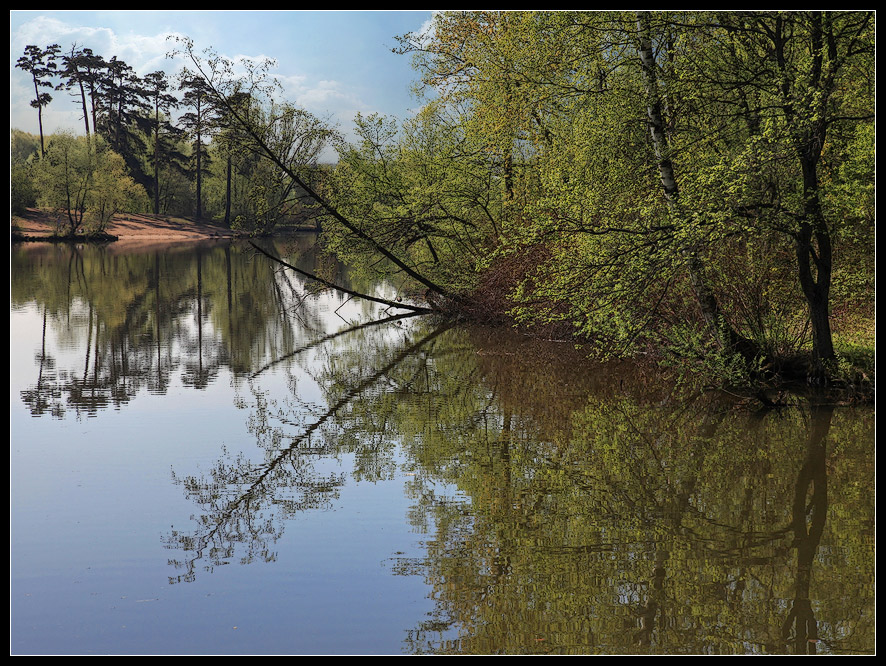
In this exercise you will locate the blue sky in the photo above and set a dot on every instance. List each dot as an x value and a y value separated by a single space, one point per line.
333 64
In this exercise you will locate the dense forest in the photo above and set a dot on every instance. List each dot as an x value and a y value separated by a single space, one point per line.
694 186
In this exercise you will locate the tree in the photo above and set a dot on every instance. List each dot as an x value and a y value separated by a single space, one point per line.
197 123
23 152
485 66
655 104
113 190
226 88
562 98
41 65
125 117
155 87
230 139
85 182
299 138
427 190
23 146
74 74
658 151
91 72
812 75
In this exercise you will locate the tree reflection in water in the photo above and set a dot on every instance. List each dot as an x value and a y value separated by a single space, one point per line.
601 515
244 505
565 507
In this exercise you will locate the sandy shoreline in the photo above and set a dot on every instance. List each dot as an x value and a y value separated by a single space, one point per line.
131 230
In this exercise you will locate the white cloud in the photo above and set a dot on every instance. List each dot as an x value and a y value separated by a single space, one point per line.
425 33
144 53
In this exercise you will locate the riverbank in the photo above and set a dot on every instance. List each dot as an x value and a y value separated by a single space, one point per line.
131 230
854 332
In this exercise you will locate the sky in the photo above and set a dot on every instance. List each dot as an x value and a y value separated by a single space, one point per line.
334 64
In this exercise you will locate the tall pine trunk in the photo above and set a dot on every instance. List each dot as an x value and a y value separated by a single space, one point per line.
199 177
157 161
39 115
83 100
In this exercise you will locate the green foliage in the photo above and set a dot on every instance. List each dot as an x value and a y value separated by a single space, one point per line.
751 203
22 192
23 146
86 182
690 352
633 172
269 196
41 65
421 190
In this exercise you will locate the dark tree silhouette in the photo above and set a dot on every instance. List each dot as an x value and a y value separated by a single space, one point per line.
41 65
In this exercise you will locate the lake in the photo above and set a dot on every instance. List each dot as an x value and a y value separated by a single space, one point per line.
209 456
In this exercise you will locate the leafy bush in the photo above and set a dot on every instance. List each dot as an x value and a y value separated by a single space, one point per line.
22 192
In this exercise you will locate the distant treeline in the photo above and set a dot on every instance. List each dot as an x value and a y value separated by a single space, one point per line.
177 146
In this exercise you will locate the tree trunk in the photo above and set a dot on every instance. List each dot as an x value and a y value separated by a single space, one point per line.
814 260
83 100
236 117
199 177
816 284
228 192
157 161
92 102
199 210
704 295
39 115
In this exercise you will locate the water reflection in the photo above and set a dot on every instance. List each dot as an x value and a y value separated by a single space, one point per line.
244 506
809 516
615 524
133 321
564 507
648 528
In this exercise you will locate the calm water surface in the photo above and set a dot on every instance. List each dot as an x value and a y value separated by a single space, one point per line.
208 457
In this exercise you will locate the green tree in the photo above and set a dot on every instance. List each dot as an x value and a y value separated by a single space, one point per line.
125 119
230 143
227 89
426 190
86 182
90 73
656 151
809 76
23 151
198 124
22 194
298 138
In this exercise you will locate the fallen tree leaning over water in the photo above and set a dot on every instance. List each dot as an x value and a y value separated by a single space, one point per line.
227 92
